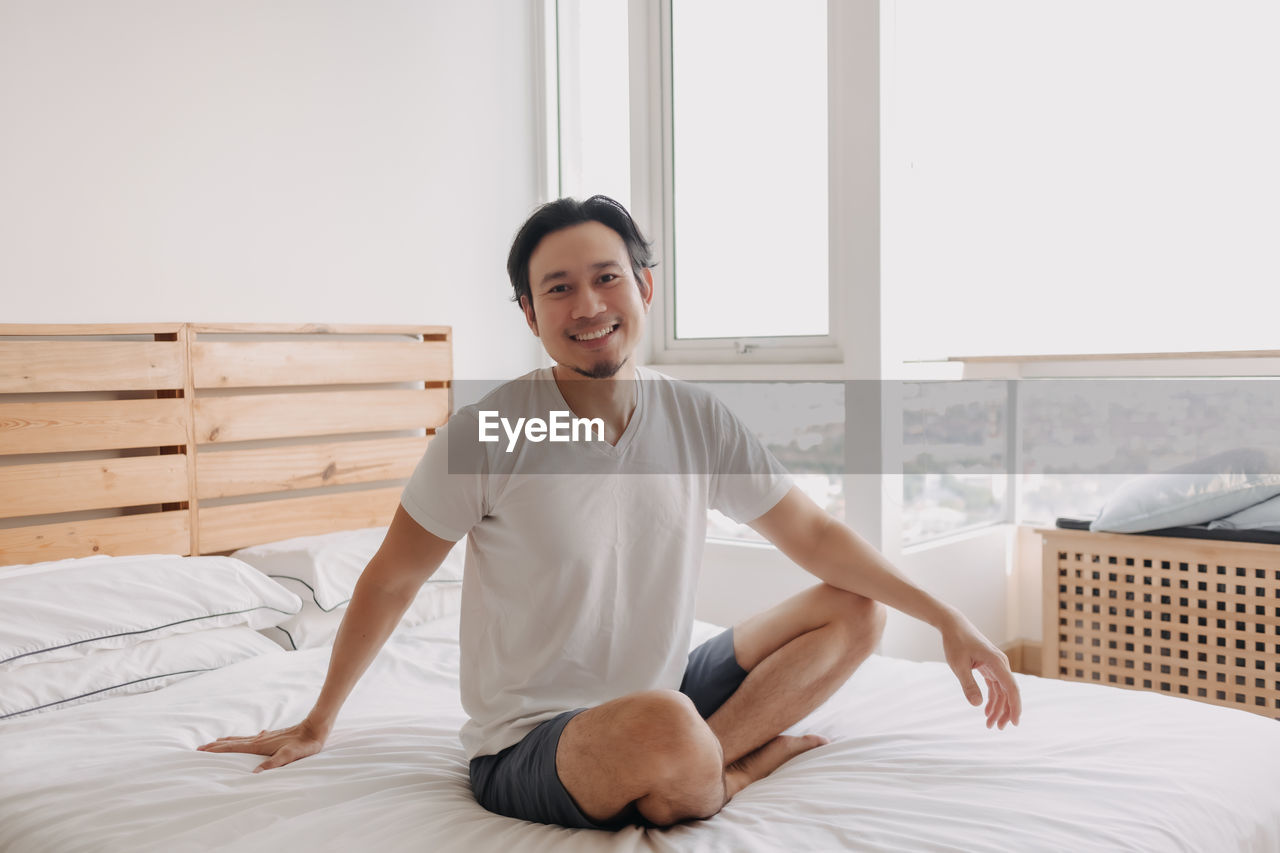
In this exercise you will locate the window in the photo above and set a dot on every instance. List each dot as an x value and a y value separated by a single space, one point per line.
593 114
1074 442
1033 178
802 424
748 257
1067 177
955 445
1082 439
1074 177
740 166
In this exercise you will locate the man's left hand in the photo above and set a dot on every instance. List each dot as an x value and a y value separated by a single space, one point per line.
967 650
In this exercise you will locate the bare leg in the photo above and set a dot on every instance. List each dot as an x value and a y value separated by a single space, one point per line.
646 752
651 753
756 765
797 654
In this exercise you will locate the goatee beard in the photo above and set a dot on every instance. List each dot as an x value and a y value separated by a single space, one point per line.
603 370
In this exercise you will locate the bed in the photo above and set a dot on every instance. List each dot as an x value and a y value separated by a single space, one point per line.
910 765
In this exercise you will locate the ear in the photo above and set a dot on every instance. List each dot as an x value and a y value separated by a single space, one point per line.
526 305
647 293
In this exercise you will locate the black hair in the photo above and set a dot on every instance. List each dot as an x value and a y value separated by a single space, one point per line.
565 213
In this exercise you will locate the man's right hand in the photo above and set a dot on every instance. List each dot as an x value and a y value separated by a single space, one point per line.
408 556
281 745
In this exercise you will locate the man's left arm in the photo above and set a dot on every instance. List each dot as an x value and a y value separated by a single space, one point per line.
837 555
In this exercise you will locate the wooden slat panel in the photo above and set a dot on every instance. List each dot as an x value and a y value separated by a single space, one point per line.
39 366
258 364
1154 639
433 332
52 487
225 528
89 328
91 425
185 338
149 533
1049 644
245 418
281 469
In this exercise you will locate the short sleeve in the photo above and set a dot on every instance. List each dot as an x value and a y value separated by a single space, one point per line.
747 481
446 502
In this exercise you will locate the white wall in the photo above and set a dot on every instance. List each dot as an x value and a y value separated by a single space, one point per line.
269 160
975 573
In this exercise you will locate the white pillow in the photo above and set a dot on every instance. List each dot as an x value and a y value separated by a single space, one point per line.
313 627
1261 516
323 571
1195 493
326 567
144 666
65 609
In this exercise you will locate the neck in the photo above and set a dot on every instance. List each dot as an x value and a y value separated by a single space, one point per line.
612 399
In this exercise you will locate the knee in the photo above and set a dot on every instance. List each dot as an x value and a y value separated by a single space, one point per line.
861 619
682 762
669 725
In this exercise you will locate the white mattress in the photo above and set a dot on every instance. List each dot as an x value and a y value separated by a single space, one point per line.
910 767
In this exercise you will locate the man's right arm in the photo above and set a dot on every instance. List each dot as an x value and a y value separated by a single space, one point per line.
409 555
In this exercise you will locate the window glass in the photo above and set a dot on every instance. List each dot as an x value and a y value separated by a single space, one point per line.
749 125
954 444
595 118
1086 176
802 425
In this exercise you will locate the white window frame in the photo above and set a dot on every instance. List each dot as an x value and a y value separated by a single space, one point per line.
546 85
653 194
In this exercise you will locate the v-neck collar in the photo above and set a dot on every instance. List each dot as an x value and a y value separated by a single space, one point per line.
633 425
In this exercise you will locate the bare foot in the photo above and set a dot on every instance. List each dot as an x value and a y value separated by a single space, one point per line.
768 758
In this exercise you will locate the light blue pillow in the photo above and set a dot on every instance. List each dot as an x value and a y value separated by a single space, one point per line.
1263 516
1195 493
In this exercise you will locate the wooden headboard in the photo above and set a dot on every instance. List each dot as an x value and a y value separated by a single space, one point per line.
195 438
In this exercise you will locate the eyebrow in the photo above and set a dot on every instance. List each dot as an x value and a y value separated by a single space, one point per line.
551 276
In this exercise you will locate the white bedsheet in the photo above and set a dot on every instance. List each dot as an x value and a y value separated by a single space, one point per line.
910 767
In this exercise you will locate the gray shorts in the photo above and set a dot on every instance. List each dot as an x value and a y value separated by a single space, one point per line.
521 780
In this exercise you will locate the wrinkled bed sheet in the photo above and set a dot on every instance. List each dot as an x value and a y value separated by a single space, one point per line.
911 766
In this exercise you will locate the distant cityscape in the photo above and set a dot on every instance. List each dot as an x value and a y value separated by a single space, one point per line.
1078 443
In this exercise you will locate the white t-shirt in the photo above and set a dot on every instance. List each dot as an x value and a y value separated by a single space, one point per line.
582 558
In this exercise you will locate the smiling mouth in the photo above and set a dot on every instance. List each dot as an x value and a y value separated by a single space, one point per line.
596 334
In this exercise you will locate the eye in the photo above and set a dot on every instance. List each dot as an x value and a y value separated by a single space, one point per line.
559 288
607 278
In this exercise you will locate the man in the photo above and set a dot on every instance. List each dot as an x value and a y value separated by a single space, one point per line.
581 572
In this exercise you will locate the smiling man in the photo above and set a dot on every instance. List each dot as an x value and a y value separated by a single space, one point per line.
585 708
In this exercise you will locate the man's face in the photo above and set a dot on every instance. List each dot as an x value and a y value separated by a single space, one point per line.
586 306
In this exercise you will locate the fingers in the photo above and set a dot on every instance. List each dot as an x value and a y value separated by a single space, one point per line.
247 745
1015 703
285 755
997 707
281 747
1004 705
1003 677
971 691
236 743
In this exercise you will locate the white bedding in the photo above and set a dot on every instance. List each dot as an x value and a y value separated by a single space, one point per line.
910 767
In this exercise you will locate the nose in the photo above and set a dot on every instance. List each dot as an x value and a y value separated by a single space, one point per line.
588 303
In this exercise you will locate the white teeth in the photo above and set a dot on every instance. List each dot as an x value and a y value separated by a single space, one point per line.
591 336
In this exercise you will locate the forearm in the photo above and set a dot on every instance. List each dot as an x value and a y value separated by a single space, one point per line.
842 558
371 616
